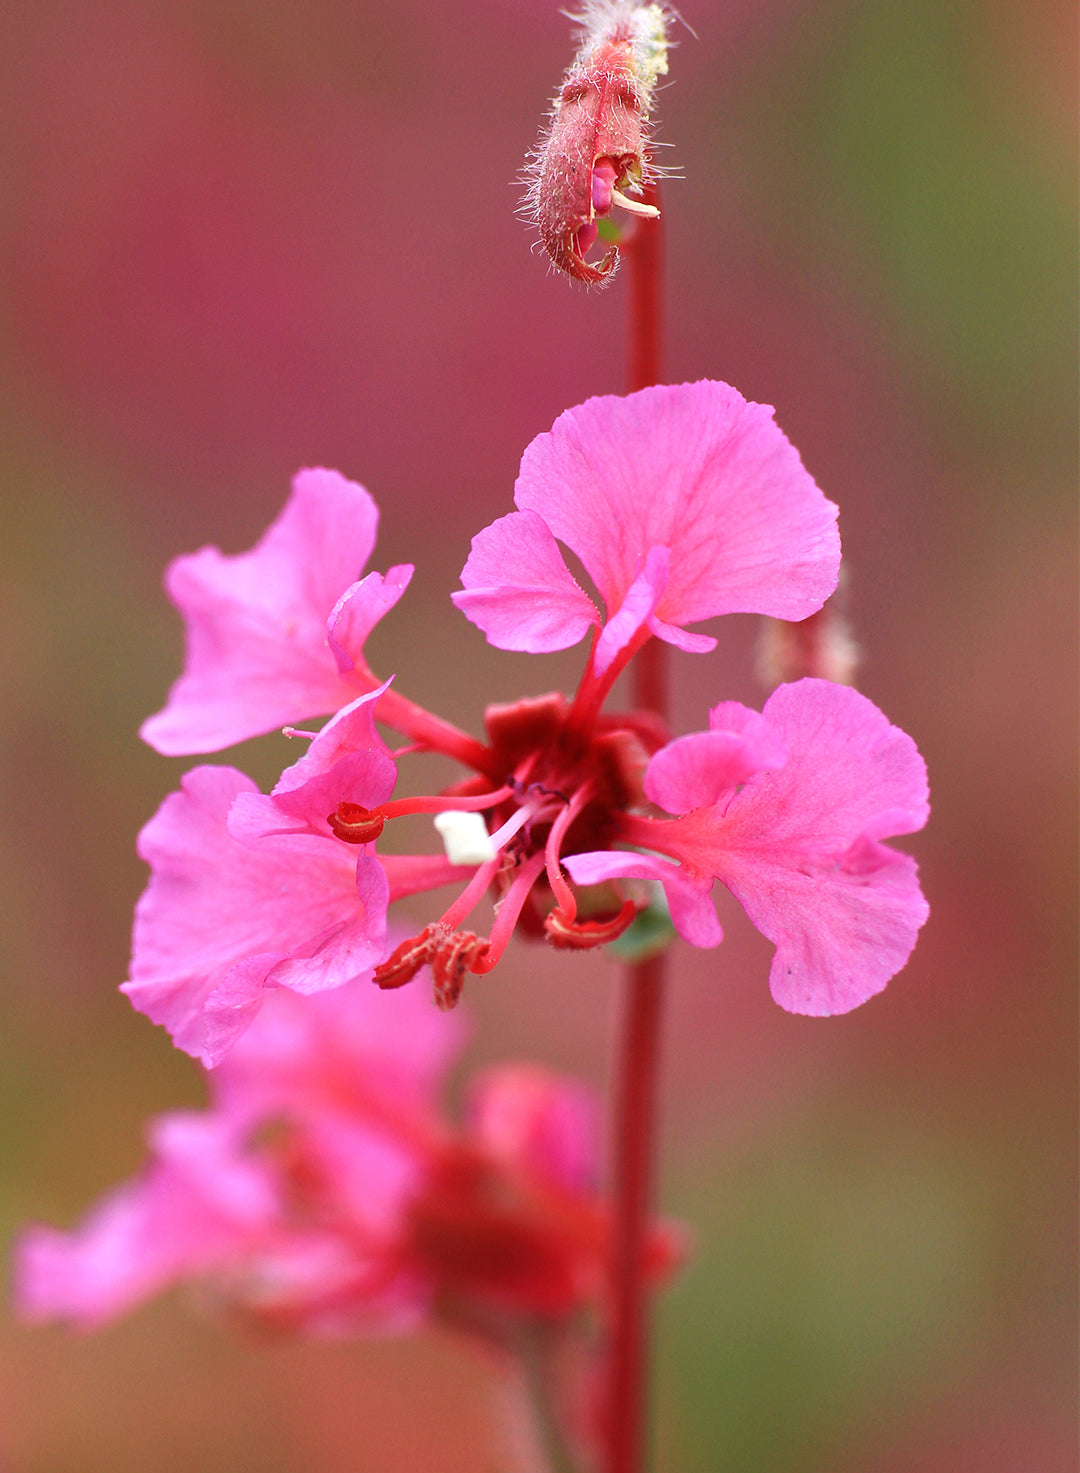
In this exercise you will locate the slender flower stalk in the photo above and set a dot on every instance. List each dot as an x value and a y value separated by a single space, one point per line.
638 1060
637 1080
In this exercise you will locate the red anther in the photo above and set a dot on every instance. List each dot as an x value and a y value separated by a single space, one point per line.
580 935
451 954
403 965
455 956
354 824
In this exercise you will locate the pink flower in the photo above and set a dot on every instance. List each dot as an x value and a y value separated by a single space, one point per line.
682 503
324 1192
788 810
277 634
221 922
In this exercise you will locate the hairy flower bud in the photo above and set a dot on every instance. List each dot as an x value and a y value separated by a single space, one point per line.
821 646
596 144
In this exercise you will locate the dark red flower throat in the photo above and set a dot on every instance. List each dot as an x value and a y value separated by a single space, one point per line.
563 788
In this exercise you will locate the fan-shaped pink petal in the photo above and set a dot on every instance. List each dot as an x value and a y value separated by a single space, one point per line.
220 917
798 847
696 469
519 591
257 653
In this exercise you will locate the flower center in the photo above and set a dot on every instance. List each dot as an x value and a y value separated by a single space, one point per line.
563 792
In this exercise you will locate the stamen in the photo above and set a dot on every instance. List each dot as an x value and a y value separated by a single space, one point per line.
404 963
457 955
471 895
560 888
582 935
509 910
635 206
354 824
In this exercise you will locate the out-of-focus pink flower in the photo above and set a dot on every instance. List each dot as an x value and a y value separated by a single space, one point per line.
788 809
682 503
277 634
197 1203
324 1192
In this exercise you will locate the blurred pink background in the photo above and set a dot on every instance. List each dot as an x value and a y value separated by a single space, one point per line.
237 238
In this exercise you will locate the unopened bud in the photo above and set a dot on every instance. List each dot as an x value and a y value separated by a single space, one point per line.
596 145
821 646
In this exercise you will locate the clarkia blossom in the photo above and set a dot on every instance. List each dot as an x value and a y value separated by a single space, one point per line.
681 503
324 1190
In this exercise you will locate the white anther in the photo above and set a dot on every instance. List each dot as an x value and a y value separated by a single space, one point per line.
465 837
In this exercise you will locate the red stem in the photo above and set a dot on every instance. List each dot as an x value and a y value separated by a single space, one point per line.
639 1045
644 249
635 1120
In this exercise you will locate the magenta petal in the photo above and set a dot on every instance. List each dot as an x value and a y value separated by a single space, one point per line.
840 934
219 918
359 609
347 762
696 771
696 469
329 958
519 591
799 848
636 609
692 912
257 655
